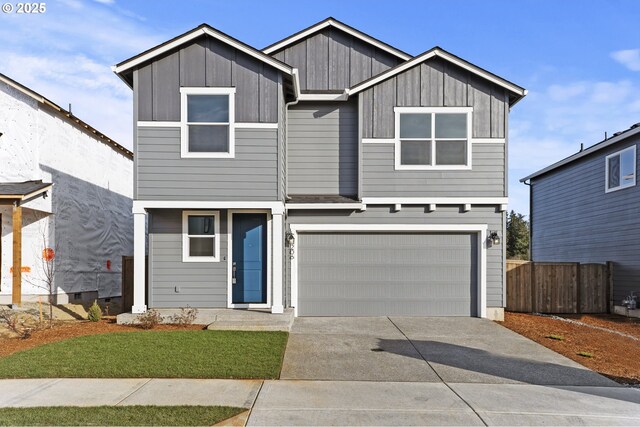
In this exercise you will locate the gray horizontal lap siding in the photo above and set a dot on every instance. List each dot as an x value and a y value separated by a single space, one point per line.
334 60
207 62
574 219
323 149
202 284
485 179
417 215
163 175
435 83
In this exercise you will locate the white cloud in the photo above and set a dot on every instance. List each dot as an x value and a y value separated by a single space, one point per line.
67 56
630 58
105 1
552 121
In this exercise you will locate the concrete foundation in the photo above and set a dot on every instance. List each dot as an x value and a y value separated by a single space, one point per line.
226 319
624 311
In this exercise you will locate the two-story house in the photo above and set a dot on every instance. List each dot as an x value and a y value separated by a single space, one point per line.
585 209
329 172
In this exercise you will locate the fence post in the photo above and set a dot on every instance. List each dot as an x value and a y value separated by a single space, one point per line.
532 277
609 296
578 291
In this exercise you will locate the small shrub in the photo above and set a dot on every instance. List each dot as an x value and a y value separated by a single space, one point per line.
95 312
16 324
555 337
585 354
149 320
186 316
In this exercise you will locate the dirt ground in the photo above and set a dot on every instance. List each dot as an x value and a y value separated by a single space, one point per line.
613 355
63 330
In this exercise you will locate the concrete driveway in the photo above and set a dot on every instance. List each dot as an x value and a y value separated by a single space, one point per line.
455 349
420 371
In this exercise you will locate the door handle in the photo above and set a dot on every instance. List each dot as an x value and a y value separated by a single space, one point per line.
233 273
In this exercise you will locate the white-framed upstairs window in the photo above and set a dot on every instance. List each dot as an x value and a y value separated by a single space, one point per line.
620 169
207 120
201 236
433 138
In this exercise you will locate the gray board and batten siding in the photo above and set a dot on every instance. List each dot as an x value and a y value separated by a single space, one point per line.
332 59
435 83
164 175
198 284
574 220
207 62
453 215
323 149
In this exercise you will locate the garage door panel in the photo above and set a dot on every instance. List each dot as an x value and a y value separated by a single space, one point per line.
384 274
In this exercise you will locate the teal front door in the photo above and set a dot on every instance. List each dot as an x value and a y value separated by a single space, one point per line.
249 263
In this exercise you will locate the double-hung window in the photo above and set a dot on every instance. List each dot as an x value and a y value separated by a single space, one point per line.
207 122
620 169
433 138
200 236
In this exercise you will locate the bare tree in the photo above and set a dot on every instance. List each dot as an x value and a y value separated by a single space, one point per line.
48 270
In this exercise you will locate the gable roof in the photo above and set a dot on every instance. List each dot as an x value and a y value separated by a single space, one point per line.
125 68
617 137
332 22
517 91
66 115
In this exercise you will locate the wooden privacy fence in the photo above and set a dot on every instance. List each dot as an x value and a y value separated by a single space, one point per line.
562 287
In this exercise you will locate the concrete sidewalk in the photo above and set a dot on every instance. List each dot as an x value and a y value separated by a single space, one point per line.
293 402
121 392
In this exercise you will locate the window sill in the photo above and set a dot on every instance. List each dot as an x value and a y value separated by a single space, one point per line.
200 259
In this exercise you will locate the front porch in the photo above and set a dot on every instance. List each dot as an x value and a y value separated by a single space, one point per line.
209 256
224 319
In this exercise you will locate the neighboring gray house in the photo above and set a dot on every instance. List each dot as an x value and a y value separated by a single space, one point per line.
329 172
586 208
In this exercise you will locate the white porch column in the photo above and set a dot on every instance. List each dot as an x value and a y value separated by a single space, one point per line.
139 262
277 221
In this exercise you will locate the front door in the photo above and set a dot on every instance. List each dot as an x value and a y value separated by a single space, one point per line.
249 263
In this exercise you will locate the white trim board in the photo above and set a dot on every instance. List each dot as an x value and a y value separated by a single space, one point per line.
323 96
473 141
437 52
435 200
139 206
339 25
230 303
480 229
193 34
336 206
238 125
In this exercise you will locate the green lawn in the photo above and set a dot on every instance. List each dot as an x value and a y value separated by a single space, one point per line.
117 416
153 354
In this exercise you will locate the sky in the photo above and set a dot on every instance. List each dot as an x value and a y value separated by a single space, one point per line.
579 59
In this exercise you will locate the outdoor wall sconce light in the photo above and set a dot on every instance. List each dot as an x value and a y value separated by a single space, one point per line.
494 239
291 240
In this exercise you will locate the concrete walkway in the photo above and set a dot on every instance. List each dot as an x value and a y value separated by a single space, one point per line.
293 402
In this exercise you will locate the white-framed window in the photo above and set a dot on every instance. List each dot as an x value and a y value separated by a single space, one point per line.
620 169
433 138
201 236
207 122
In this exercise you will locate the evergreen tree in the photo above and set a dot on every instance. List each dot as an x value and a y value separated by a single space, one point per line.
517 236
